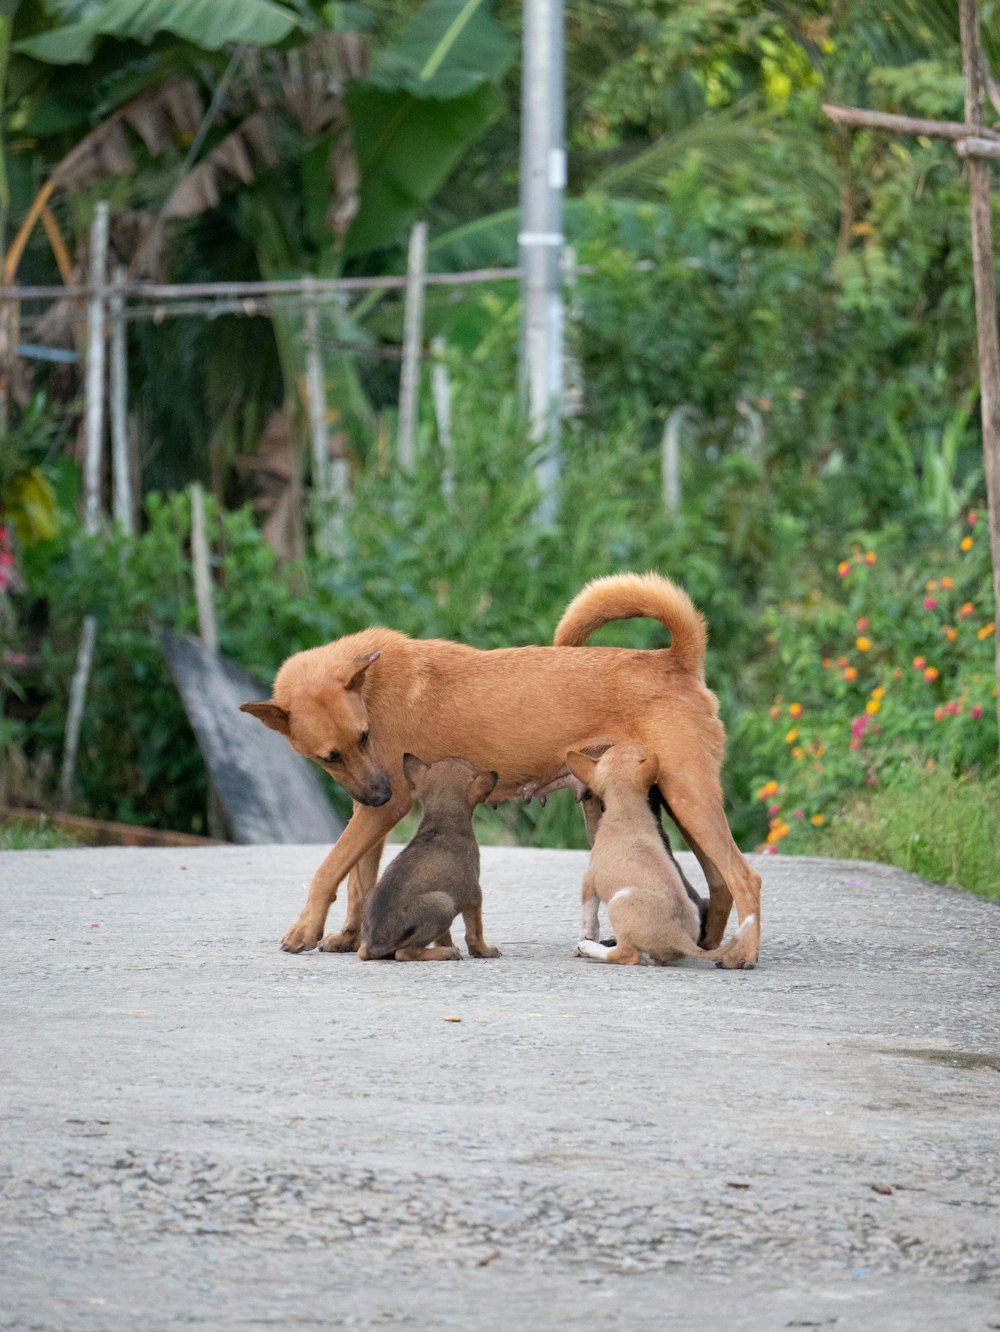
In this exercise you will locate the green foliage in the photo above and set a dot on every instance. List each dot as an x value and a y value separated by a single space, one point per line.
941 827
880 667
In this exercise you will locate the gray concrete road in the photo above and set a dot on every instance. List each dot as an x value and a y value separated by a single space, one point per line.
201 1131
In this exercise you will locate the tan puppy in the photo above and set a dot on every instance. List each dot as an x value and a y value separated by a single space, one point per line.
357 705
632 871
408 914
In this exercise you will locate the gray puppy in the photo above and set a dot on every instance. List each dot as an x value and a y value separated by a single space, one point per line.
408 914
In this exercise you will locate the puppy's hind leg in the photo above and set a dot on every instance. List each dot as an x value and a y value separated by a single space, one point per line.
474 941
624 954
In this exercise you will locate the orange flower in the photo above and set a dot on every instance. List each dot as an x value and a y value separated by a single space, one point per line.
768 789
966 543
872 706
842 662
919 663
878 692
938 714
931 674
791 737
986 630
930 585
818 820
798 753
795 709
851 673
870 557
774 711
864 644
947 582
966 610
844 568
949 633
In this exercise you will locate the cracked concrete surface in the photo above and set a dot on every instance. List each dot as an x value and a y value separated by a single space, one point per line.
199 1130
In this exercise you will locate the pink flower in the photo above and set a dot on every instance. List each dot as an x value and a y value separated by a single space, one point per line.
930 603
798 813
975 711
862 624
952 708
858 727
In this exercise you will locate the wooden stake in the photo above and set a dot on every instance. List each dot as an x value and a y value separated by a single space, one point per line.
985 282
74 717
413 331
202 575
670 455
316 394
121 463
94 394
441 395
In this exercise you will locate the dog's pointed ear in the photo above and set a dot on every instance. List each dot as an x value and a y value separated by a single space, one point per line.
270 714
414 769
354 673
581 766
480 787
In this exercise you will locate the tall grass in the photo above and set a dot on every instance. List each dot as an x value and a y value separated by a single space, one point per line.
926 821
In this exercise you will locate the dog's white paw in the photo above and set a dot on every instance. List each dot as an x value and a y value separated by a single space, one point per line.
592 949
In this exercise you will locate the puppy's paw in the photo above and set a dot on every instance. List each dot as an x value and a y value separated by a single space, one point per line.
345 941
592 949
485 951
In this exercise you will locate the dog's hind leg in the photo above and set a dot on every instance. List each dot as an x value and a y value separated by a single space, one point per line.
474 941
696 808
624 954
360 881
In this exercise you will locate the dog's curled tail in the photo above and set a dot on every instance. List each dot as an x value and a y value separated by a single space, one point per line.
629 596
694 951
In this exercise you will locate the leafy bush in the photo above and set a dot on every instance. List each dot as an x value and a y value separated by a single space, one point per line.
889 663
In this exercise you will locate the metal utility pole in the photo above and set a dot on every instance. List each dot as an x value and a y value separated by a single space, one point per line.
543 182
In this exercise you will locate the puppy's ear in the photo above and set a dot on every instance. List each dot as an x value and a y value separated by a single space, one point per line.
480 787
581 766
270 714
354 674
651 768
414 769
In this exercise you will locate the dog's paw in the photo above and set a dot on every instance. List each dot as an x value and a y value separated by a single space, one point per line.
736 963
485 951
592 949
345 941
299 939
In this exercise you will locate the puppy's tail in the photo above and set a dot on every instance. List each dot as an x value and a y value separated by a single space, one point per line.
629 596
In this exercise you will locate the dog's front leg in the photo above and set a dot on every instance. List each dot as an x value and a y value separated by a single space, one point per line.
368 827
360 881
589 923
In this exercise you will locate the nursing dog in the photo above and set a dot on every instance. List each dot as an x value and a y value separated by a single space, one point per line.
357 705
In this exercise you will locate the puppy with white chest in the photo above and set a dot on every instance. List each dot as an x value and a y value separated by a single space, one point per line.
409 912
632 871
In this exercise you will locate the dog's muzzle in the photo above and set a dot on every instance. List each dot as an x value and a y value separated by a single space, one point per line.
376 798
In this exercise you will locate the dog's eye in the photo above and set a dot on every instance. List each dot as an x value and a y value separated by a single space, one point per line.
363 740
333 757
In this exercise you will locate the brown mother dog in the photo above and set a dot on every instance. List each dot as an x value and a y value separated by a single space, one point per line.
357 705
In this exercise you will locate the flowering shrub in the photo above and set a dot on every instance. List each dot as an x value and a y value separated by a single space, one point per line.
890 663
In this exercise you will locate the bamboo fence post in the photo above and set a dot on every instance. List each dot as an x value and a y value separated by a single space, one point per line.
74 717
207 629
316 394
94 393
121 461
441 396
413 322
984 278
10 320
670 455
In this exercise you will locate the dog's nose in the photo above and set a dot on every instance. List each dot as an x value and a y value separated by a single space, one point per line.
378 795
